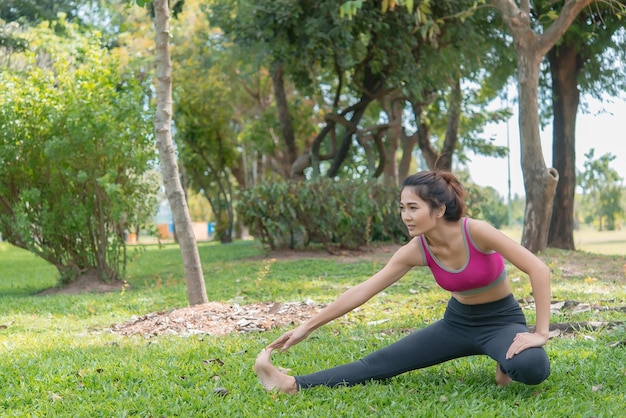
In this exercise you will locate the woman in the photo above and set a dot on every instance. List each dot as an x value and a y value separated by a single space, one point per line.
482 316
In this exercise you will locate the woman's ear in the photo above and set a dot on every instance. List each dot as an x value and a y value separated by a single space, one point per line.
441 211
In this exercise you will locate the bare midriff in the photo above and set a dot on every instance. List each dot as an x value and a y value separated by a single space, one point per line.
491 295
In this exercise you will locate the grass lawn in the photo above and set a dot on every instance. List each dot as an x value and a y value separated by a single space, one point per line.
58 357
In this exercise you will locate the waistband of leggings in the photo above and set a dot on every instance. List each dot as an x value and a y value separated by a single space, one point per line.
457 306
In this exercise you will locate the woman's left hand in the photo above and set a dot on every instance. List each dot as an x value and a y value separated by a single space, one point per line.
525 340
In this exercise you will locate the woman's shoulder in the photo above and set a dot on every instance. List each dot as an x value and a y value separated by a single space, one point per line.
485 235
410 253
479 225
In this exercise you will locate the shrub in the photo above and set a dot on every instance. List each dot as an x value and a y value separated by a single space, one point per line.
336 214
75 148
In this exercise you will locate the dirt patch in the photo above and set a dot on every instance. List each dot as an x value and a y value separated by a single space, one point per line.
217 319
88 282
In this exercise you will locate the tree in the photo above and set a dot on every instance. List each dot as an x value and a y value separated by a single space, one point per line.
586 60
539 181
194 278
364 70
205 118
75 150
602 189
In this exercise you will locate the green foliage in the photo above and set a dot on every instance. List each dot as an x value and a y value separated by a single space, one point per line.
36 11
326 55
75 146
207 145
226 124
602 191
598 37
485 203
314 44
24 14
335 214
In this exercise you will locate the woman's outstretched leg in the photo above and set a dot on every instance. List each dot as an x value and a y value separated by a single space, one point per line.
425 347
271 377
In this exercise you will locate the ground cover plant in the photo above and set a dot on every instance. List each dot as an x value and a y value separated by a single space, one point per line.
62 356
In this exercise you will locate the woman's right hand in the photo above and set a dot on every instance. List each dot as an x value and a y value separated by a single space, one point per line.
289 338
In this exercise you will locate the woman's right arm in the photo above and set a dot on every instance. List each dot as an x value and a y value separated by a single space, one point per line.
400 263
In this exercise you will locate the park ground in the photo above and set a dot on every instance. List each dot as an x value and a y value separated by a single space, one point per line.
139 350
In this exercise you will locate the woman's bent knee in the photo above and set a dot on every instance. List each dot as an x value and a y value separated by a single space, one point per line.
530 367
533 375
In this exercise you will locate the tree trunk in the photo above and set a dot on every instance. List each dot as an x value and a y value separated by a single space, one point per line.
284 118
196 292
372 85
434 159
539 182
565 68
407 144
344 148
429 154
393 105
455 100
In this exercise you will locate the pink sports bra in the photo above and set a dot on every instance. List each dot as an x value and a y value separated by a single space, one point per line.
482 271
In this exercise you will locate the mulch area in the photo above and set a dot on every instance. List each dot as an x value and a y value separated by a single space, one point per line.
215 318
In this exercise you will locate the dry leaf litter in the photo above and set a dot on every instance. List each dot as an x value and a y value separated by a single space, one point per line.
215 318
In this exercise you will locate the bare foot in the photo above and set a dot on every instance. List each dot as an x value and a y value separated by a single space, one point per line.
271 377
502 378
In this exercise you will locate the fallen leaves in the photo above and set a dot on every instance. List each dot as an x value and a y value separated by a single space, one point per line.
217 319
575 307
571 307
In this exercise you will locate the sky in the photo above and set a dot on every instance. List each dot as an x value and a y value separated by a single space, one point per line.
603 128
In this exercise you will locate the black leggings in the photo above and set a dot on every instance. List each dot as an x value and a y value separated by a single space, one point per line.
465 330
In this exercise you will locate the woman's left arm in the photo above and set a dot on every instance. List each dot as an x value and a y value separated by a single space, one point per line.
489 238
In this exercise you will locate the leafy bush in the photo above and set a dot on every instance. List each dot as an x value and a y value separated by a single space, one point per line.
335 214
75 147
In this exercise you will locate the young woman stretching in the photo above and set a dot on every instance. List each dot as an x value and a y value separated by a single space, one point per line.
482 316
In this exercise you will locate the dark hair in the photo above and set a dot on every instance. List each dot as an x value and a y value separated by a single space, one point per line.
439 188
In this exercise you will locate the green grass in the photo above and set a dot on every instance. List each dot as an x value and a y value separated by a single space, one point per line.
57 357
589 239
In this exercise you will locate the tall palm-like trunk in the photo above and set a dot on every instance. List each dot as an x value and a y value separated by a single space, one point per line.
196 291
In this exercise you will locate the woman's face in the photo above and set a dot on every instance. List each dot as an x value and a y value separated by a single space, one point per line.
416 213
